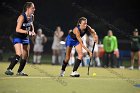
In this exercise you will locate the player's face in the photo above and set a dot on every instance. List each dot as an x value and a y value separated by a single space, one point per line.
83 24
58 28
135 33
31 9
110 33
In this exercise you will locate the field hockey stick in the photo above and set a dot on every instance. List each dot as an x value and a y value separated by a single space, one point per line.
91 58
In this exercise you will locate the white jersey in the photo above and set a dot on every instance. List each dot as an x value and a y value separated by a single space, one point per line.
38 47
56 41
39 39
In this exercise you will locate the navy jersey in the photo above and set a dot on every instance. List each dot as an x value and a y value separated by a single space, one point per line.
26 25
135 45
82 33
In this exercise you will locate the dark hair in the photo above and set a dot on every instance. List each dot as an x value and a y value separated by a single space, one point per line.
27 5
81 19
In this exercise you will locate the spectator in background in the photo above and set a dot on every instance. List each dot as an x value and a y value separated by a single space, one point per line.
39 41
135 48
110 47
56 45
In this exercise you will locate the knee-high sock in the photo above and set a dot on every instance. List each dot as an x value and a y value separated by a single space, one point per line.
14 61
53 59
60 59
38 58
98 61
76 65
34 58
64 65
72 60
22 65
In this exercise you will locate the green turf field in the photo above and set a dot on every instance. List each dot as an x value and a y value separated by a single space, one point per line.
44 79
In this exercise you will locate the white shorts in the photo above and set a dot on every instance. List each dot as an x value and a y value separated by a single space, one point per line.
38 48
95 48
56 46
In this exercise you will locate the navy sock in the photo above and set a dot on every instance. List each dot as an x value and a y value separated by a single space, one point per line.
76 65
64 65
14 61
22 65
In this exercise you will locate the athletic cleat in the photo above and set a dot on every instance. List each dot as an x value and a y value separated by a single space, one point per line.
9 72
62 73
139 68
75 74
131 68
21 74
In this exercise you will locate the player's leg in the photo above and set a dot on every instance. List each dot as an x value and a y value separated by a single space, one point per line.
35 57
132 60
65 62
25 54
35 49
72 58
39 55
97 60
54 56
78 61
139 60
59 56
15 59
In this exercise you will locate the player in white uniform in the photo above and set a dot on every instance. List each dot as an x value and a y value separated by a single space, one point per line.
96 52
39 40
56 45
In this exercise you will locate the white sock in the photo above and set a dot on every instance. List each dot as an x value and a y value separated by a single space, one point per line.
87 60
53 59
38 59
34 58
60 60
70 61
84 61
98 61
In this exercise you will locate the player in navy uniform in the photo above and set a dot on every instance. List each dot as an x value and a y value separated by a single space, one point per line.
135 48
21 43
74 39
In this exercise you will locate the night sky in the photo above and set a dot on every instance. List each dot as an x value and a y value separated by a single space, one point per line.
121 14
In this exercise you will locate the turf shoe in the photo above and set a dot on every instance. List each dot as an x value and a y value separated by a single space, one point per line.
9 72
21 74
139 68
75 74
131 68
62 73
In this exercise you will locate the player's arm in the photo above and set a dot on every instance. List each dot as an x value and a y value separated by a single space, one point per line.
116 43
33 39
44 38
77 33
61 34
91 30
33 32
19 24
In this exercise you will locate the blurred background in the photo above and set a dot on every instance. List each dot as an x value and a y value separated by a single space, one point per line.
121 16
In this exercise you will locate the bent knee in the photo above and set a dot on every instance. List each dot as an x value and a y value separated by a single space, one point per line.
80 56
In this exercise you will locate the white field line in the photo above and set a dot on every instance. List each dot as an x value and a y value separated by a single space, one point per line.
83 78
